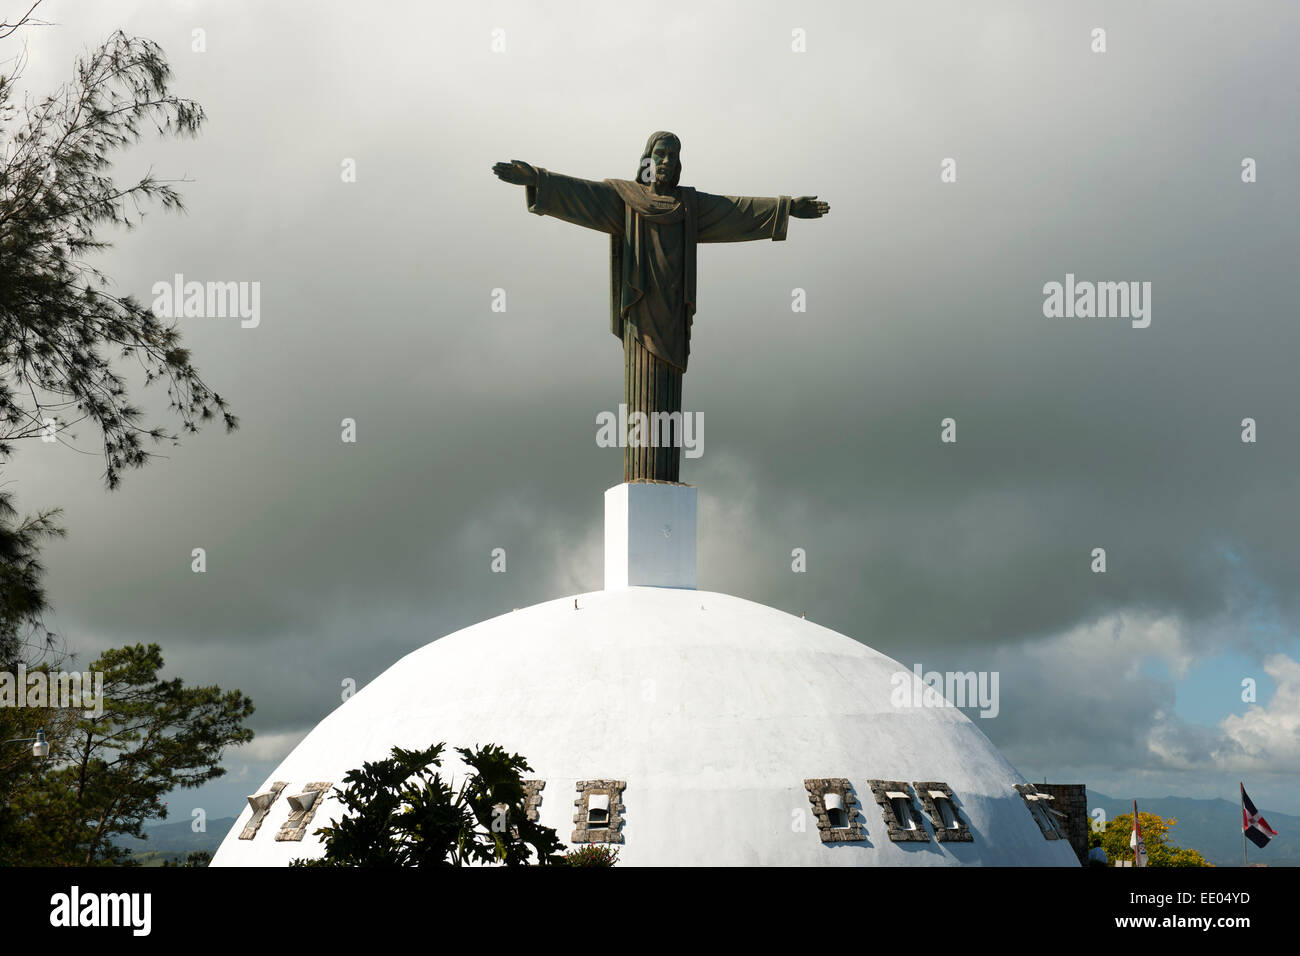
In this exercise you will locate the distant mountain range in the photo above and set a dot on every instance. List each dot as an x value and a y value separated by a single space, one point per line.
1212 827
177 840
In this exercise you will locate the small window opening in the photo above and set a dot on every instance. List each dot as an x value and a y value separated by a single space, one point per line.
947 815
598 810
902 805
839 820
1048 814
1041 808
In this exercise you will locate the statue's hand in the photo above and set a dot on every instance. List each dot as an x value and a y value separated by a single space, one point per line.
517 172
807 207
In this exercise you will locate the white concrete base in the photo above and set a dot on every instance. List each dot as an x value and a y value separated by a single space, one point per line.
649 536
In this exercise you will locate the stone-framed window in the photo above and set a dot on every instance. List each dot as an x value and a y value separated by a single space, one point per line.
261 804
1040 808
835 806
1070 801
303 806
533 798
600 812
941 806
903 821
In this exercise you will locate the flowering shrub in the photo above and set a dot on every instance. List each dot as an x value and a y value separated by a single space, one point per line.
593 854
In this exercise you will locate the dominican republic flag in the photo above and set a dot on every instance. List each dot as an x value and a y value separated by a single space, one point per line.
1136 842
1253 825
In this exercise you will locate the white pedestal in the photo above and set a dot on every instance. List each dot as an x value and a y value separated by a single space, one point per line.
649 536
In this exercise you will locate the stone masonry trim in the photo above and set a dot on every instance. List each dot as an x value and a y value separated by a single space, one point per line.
1028 790
532 798
296 826
897 832
818 788
255 821
610 833
1072 817
941 833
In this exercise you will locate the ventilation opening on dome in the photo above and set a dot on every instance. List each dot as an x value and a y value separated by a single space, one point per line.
940 804
1041 809
947 816
902 805
1051 815
901 818
260 804
833 806
302 802
839 820
303 806
598 811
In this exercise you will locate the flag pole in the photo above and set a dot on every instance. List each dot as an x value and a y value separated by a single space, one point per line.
1242 785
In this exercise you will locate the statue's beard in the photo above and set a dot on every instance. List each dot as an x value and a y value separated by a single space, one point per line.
663 179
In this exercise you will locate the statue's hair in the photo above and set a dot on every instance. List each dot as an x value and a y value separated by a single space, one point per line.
649 148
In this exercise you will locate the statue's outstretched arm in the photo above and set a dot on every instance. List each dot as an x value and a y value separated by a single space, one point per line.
583 202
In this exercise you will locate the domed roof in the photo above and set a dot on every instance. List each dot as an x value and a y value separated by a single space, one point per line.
712 711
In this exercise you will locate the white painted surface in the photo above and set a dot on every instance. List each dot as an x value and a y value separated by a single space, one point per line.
650 536
712 708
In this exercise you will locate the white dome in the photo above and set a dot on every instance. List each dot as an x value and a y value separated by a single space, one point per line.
712 709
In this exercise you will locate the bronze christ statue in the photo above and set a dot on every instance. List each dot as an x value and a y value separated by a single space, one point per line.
654 224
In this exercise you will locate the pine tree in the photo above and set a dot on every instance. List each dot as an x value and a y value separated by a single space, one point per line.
62 326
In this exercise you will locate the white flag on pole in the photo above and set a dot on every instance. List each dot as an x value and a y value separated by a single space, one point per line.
1136 842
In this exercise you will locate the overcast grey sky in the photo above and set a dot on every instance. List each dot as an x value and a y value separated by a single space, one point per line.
476 429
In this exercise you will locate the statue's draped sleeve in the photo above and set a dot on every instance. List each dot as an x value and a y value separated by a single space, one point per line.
741 218
582 202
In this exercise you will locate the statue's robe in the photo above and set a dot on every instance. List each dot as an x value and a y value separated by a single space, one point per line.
652 280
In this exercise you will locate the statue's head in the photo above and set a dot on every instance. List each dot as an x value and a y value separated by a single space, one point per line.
661 160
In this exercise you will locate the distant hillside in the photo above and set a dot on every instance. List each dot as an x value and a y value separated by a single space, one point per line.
1212 827
176 840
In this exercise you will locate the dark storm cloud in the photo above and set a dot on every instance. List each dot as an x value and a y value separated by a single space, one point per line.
476 429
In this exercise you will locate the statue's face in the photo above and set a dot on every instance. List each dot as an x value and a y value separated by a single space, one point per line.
666 159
